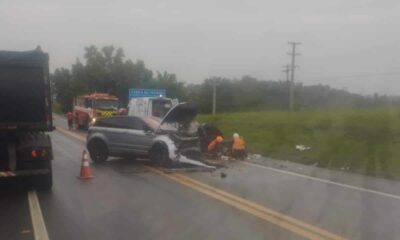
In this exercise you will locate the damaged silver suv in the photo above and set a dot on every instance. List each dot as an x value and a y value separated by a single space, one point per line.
164 141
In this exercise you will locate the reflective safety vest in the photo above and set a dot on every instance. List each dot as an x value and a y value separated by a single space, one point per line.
238 144
214 143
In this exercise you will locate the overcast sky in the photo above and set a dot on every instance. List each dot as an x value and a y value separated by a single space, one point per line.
351 44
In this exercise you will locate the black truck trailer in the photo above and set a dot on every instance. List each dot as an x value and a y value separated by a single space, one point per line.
25 117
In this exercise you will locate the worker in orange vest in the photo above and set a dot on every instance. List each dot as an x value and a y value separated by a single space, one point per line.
70 119
214 145
238 147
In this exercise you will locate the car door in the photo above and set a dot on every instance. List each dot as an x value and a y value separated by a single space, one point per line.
138 136
115 128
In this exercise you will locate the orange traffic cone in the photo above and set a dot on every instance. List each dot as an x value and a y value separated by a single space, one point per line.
85 169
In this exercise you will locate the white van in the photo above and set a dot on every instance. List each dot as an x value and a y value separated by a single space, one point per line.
150 106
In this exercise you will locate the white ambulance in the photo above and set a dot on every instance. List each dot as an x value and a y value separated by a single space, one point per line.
150 106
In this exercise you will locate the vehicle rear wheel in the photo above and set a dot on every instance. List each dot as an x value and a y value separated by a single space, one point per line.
159 155
98 151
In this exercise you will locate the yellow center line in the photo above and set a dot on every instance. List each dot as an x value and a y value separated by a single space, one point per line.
289 223
261 208
296 226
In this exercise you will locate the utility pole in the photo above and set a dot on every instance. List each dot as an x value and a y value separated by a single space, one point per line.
214 96
286 70
293 66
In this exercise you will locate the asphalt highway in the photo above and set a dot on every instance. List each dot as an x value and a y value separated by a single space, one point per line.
129 199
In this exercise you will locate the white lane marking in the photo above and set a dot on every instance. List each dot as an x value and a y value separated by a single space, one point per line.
325 181
39 227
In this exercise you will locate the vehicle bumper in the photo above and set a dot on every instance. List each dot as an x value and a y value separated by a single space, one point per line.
21 173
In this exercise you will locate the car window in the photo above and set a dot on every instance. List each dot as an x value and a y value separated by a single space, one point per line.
137 124
109 122
122 122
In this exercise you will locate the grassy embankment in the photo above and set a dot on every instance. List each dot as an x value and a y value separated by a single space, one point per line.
362 141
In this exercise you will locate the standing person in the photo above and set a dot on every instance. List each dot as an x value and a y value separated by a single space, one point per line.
70 119
238 147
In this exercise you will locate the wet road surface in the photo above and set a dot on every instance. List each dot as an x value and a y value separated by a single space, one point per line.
130 200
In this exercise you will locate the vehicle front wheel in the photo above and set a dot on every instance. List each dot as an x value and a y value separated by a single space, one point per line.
98 151
159 155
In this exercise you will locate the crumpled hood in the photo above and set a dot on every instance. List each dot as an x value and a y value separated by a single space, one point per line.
182 113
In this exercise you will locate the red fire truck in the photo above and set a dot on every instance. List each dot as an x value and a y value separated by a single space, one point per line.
88 107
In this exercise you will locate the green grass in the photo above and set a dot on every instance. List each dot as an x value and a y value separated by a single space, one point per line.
362 141
57 108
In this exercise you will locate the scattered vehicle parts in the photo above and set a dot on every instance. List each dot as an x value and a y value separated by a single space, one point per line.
302 147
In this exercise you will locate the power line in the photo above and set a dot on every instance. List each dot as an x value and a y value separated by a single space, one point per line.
355 75
293 66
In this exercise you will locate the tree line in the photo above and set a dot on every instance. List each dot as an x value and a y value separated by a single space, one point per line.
107 70
251 94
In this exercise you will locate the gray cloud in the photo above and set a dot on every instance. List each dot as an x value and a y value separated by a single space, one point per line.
347 44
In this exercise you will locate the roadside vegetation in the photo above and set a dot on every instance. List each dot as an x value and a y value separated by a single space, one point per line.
363 141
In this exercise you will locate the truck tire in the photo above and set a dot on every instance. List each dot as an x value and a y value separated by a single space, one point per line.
159 155
43 182
98 151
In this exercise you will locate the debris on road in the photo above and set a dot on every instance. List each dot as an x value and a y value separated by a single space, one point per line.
302 147
26 231
215 164
254 156
184 159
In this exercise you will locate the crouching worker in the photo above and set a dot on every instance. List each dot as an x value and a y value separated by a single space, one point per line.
214 147
238 147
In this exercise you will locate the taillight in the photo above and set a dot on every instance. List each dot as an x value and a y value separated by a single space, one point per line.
37 153
44 153
34 153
